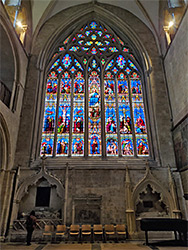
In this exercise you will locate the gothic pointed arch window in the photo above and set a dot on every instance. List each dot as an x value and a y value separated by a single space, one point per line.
94 102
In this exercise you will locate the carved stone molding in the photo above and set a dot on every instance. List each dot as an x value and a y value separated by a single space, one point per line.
149 179
32 180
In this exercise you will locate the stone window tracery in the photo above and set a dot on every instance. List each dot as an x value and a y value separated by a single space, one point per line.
94 99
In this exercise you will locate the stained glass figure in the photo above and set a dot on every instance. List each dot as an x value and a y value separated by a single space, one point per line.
142 146
94 115
95 145
78 115
47 145
64 118
77 145
65 85
112 70
62 145
127 146
111 145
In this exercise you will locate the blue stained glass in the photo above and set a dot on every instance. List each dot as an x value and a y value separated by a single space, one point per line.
120 61
66 61
142 146
99 69
139 118
94 98
132 65
49 117
127 146
110 118
95 146
88 32
73 69
55 64
77 145
51 86
107 42
115 70
62 145
122 87
112 145
125 118
109 87
78 64
113 49
93 37
107 36
94 63
64 118
78 85
88 43
65 85
93 51
127 70
80 35
98 43
93 25
74 48
47 145
99 32
136 86
110 64
78 118
60 69
85 49
81 42
102 49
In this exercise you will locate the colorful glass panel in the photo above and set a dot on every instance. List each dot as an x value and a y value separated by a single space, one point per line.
127 145
77 145
66 61
47 145
94 115
62 145
142 145
78 116
111 145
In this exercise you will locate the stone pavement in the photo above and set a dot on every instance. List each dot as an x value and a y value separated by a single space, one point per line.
131 245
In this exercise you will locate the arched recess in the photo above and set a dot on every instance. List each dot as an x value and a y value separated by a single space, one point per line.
12 60
31 181
163 193
63 31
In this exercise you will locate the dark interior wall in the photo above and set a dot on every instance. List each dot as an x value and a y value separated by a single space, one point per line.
7 67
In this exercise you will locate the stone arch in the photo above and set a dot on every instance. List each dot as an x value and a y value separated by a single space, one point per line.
149 179
13 60
5 145
44 50
32 180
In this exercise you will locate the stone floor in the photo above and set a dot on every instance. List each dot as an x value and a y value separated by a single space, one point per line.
128 245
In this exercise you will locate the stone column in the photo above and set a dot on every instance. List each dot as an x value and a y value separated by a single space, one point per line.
66 192
73 212
130 213
176 211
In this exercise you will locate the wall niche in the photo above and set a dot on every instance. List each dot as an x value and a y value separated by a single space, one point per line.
150 204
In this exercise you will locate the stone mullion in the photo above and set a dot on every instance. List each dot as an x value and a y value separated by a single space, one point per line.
117 116
103 135
86 134
71 115
132 117
56 116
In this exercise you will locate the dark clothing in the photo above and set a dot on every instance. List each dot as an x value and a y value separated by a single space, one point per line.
30 226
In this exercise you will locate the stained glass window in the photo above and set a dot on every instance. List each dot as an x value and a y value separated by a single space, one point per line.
94 103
